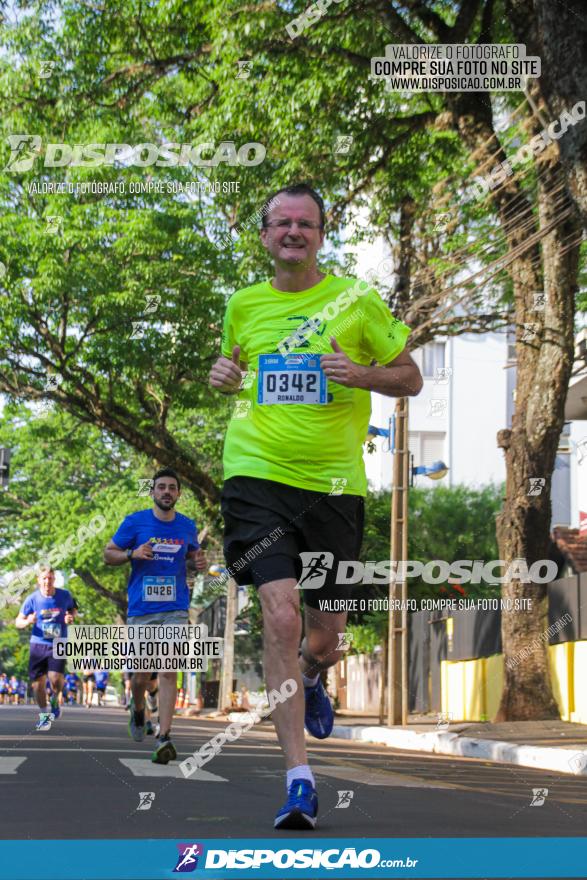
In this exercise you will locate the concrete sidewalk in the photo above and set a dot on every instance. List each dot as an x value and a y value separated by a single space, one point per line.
558 746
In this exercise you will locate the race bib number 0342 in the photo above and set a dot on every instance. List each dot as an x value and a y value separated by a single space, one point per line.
291 378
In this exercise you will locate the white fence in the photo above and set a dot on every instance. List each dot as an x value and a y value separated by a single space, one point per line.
356 682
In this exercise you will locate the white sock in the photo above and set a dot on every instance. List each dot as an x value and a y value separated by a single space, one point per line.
310 681
302 771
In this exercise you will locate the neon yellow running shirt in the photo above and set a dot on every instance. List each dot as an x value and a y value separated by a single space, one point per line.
306 445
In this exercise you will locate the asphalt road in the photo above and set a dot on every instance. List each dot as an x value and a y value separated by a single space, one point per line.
83 779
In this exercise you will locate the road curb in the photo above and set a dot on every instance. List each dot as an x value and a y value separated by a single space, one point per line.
442 743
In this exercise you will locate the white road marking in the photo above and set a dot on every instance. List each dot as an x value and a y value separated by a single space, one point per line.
180 754
364 777
145 767
9 766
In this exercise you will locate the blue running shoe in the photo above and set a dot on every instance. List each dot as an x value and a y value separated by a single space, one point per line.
301 808
319 717
55 706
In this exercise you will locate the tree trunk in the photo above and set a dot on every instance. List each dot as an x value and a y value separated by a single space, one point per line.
544 362
403 254
557 33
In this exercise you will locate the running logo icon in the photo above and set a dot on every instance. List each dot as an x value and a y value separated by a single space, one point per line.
578 762
537 484
146 799
344 641
338 484
315 568
24 148
539 795
344 800
187 860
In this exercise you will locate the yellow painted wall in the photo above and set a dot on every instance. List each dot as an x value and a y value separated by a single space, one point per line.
453 686
444 689
561 676
493 684
579 712
471 689
474 687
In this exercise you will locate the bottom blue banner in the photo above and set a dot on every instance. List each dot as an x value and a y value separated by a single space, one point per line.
480 857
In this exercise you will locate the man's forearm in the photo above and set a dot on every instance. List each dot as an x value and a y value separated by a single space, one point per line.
400 381
115 557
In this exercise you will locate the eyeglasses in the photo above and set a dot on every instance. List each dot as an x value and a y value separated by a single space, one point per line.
301 224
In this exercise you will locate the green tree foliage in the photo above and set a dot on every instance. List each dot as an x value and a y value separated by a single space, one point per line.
14 650
64 474
444 523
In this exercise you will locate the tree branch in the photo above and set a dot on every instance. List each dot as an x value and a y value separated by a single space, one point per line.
119 599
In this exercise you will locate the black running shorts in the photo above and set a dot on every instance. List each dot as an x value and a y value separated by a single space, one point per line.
42 661
267 525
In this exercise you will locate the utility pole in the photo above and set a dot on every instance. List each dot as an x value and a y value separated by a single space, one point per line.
397 643
4 467
227 675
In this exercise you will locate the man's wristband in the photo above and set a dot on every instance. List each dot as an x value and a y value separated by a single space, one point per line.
129 553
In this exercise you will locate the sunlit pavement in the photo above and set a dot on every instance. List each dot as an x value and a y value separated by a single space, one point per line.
84 778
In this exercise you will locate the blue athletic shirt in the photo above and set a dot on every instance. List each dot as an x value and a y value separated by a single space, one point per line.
101 677
50 612
71 680
158 584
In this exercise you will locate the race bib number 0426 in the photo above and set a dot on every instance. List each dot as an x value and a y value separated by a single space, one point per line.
292 378
158 589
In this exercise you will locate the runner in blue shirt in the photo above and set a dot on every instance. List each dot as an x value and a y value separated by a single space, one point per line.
157 542
70 688
13 688
49 610
101 679
4 698
21 691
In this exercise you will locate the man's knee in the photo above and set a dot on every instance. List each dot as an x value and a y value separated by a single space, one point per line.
319 649
282 624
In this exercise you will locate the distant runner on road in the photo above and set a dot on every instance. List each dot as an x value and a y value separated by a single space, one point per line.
88 686
71 688
157 542
101 679
4 688
49 610
13 689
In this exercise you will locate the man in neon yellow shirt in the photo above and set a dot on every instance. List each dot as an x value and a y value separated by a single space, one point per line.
312 348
